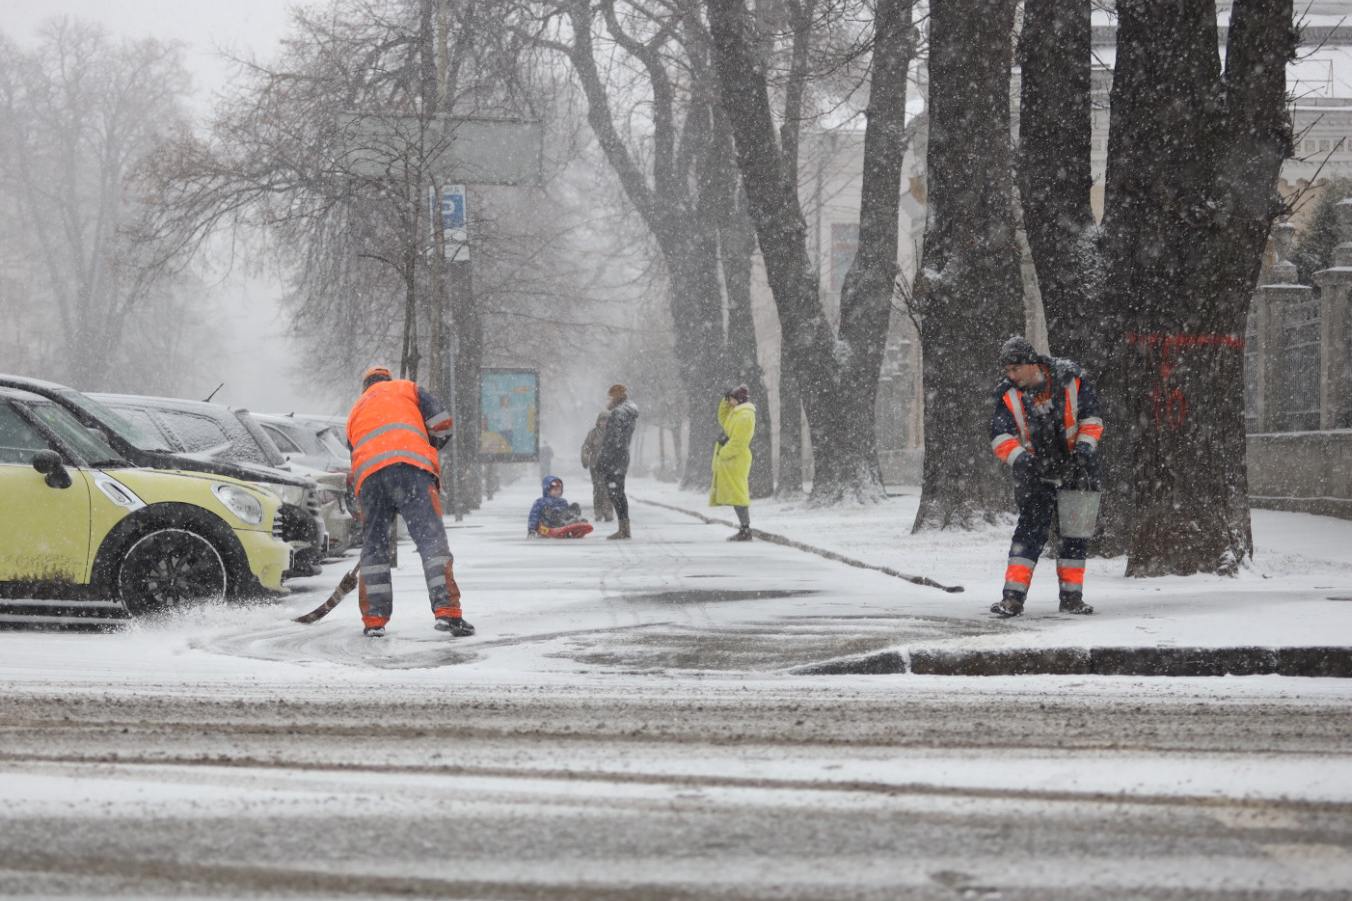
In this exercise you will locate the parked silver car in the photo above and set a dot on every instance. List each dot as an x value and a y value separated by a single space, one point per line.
316 444
311 441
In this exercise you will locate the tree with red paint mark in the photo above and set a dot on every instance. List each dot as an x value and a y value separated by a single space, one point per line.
1154 302
1195 147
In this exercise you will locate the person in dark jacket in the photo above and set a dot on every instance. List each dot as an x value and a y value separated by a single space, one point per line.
602 509
1047 427
394 430
612 463
551 510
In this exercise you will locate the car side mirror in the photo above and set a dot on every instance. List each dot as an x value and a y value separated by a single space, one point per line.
53 469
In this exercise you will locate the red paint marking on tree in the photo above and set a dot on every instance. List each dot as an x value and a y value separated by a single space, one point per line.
1170 403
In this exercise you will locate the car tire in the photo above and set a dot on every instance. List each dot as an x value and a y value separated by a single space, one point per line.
169 568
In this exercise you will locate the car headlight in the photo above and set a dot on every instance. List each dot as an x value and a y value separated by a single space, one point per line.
240 502
287 494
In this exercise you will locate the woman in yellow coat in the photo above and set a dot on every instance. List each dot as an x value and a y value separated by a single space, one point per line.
732 458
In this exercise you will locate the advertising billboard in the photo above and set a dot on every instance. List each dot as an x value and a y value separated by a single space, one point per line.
509 404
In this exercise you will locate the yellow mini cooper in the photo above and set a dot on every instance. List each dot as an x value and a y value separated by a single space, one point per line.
80 523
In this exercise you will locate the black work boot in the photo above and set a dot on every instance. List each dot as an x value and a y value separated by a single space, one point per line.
1073 603
742 534
1009 606
455 625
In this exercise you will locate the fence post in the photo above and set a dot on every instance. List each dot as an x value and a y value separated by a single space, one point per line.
1279 290
1335 285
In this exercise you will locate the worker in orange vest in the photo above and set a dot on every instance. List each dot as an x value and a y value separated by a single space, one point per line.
1046 427
394 431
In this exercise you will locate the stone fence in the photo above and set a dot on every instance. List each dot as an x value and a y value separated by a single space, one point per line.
1298 382
1305 472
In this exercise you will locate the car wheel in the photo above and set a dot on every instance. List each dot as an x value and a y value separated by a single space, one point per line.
170 568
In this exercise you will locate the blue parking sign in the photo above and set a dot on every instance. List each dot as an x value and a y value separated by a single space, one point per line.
453 206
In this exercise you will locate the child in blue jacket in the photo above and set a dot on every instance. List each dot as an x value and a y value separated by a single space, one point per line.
551 511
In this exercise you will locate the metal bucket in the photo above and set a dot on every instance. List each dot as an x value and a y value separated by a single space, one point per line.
1078 512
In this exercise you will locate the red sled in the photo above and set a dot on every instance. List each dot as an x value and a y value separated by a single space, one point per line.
576 530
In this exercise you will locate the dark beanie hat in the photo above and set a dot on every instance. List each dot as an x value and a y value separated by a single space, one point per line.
1018 350
740 394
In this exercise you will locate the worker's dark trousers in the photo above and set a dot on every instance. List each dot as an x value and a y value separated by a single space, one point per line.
411 493
1037 506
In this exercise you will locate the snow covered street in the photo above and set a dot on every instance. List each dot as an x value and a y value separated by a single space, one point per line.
628 724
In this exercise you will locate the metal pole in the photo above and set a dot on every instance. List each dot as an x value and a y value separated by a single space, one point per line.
457 508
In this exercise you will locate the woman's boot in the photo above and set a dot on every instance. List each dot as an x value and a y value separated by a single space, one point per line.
622 531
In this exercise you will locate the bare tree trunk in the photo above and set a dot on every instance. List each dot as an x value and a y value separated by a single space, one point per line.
469 349
838 379
1053 169
969 295
866 294
739 245
790 433
686 240
1193 160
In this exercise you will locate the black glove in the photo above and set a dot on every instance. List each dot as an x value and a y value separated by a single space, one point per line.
1022 463
1044 468
722 440
1084 466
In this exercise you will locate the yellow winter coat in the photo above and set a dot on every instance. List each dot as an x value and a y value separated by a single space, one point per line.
732 460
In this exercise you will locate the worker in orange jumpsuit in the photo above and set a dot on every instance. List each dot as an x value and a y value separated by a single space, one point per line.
394 431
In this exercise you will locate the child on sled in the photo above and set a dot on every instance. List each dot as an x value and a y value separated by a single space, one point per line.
553 517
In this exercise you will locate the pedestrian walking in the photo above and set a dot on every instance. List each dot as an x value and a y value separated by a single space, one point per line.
394 431
732 458
602 509
612 462
1047 427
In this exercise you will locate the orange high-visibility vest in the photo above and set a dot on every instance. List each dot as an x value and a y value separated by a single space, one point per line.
386 426
1089 429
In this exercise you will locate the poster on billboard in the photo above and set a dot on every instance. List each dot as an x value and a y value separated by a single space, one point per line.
509 404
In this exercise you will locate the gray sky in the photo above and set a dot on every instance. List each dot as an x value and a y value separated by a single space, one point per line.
258 365
239 26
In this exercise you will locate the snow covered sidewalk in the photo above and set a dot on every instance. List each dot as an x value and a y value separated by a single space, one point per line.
1289 611
679 601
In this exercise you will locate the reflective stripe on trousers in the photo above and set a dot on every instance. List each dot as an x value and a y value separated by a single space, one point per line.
1037 506
412 494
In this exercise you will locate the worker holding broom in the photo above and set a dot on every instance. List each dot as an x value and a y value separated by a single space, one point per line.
394 431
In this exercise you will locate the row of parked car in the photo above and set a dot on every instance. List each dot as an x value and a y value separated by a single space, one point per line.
146 503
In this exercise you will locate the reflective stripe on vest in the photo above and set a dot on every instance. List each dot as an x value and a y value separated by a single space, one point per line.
1072 412
1072 424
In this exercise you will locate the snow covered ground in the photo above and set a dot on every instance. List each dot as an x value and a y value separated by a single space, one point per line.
678 600
628 719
